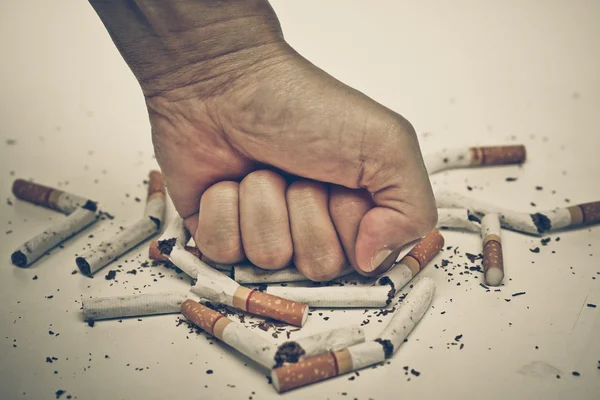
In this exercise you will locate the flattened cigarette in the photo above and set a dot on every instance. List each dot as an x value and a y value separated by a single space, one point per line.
60 231
534 224
96 258
154 252
334 296
48 197
474 156
253 274
318 368
493 265
458 218
412 263
259 349
407 316
215 286
137 305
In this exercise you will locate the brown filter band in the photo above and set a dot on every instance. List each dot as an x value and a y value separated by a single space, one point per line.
498 155
36 193
156 183
492 255
491 236
267 305
204 317
424 251
155 254
310 370
584 214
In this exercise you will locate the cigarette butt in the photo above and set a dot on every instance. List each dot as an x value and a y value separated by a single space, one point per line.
498 155
46 196
305 372
270 306
204 317
423 252
585 214
493 265
156 183
155 254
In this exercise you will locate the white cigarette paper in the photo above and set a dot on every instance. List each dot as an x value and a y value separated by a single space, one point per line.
334 296
474 157
60 231
252 274
458 218
138 305
534 224
96 258
447 159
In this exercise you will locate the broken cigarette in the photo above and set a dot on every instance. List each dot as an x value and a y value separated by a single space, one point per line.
493 266
334 296
458 218
48 197
154 252
96 258
534 224
37 246
474 156
412 263
137 305
261 350
318 368
252 274
215 286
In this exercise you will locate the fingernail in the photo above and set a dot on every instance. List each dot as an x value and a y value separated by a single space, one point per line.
379 257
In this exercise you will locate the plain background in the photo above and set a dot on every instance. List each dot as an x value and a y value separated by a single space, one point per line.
463 72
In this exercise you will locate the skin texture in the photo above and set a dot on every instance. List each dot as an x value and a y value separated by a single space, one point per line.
266 156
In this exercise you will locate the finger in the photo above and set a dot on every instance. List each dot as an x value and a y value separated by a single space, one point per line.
218 232
347 207
317 251
264 222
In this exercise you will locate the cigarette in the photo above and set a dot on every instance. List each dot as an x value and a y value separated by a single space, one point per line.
458 218
334 296
533 224
95 259
251 274
60 231
493 266
412 263
215 286
48 197
137 305
474 156
155 254
318 368
259 349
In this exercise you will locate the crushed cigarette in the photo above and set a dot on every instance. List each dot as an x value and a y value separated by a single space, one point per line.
60 231
96 258
412 263
48 197
318 368
474 156
334 296
534 224
493 266
154 252
458 218
137 305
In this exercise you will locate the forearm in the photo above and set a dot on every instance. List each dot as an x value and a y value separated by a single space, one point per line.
172 44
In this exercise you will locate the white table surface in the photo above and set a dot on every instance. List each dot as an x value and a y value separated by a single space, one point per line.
463 72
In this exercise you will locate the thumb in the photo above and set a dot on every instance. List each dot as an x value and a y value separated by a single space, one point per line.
404 205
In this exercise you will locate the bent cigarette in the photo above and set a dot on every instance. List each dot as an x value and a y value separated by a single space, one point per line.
154 252
458 218
493 265
95 259
474 156
259 349
251 274
37 246
318 368
334 296
412 263
215 286
48 197
534 224
137 305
